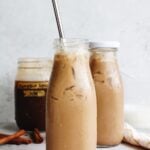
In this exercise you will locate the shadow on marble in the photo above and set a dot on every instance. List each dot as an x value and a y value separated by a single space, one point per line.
122 146
134 147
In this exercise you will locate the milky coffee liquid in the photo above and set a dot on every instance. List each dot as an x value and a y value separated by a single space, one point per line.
71 104
109 91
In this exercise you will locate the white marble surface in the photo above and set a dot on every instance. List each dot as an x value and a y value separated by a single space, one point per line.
42 147
10 127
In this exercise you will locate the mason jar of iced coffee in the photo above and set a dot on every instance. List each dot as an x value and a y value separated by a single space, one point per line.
30 92
71 100
109 91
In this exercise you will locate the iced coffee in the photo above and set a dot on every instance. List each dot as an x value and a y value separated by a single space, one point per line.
109 91
71 101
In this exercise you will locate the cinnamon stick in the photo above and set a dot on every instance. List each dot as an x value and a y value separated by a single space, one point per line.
9 138
36 137
17 141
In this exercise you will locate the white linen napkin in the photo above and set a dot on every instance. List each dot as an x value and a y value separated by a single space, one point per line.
134 137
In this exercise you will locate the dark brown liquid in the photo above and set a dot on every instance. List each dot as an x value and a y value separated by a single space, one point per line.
30 100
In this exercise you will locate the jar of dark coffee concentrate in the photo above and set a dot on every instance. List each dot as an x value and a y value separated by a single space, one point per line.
30 92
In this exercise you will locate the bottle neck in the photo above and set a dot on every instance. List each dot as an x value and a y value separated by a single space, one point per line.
104 54
71 45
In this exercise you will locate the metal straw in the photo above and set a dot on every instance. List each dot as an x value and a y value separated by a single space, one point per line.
58 20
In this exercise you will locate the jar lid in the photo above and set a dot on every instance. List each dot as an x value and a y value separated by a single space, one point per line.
105 44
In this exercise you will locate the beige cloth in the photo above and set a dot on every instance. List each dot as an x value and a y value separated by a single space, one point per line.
132 136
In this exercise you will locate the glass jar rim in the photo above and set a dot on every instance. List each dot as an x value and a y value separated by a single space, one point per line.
70 42
33 59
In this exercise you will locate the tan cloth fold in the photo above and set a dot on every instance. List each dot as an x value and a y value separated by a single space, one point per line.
134 137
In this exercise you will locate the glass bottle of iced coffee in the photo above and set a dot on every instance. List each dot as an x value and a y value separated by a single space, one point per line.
109 91
30 92
71 100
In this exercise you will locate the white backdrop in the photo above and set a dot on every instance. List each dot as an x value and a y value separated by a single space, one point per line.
27 28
